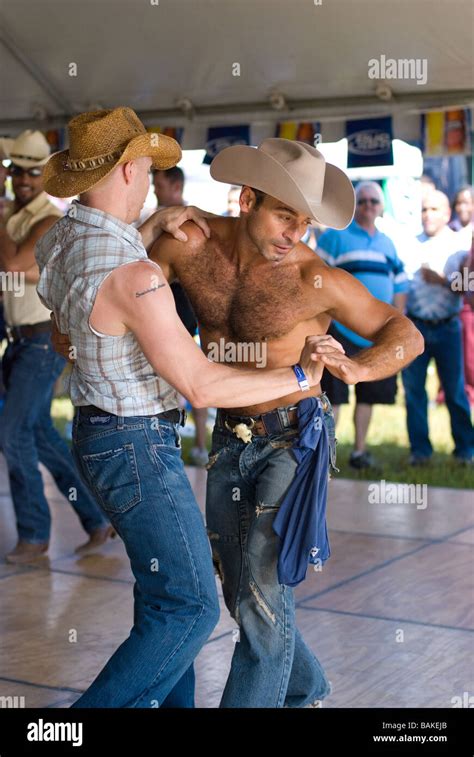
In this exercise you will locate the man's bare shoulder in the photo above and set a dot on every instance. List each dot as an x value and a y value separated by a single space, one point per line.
320 276
135 272
221 229
168 248
311 263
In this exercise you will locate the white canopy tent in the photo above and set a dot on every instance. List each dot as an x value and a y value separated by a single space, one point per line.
200 63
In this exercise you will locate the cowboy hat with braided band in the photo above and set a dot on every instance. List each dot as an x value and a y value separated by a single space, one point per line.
99 141
294 173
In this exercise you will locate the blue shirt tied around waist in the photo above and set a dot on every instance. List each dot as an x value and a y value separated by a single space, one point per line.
301 519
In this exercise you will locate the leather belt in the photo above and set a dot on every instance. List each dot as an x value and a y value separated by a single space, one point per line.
274 422
14 333
174 416
432 323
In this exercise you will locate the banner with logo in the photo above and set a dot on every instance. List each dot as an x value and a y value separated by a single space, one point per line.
220 137
369 142
447 133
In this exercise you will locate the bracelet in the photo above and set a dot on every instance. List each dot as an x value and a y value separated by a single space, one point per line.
301 378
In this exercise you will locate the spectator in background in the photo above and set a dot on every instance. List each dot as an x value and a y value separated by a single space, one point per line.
31 367
370 256
462 223
463 214
427 185
467 320
5 203
169 187
469 267
434 305
3 187
463 207
233 204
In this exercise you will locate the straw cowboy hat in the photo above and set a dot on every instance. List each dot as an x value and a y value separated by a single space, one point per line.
5 146
293 172
29 150
99 141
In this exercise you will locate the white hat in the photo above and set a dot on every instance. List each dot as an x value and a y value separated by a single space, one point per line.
29 149
5 147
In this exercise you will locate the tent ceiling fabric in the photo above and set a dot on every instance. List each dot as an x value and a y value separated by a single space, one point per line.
148 56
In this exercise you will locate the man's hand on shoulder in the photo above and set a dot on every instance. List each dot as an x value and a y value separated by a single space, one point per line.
171 220
168 249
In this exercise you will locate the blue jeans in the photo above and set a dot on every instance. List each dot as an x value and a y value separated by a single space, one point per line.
271 665
133 466
28 436
444 344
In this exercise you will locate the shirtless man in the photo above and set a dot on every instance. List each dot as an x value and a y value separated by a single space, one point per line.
254 284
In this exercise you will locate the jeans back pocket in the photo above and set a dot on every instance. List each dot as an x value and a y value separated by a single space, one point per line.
113 476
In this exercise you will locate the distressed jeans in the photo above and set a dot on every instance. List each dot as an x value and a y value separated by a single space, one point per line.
271 665
134 468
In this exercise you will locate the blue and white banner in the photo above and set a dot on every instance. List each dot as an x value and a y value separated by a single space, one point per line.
369 142
219 137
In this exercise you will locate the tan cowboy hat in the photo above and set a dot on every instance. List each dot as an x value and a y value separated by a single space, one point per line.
29 150
99 141
293 172
5 147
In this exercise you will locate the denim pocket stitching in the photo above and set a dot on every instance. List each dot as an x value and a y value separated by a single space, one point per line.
162 430
128 451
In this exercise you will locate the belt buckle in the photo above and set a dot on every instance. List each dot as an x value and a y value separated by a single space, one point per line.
242 431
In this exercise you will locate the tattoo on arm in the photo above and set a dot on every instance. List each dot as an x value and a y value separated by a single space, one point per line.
152 289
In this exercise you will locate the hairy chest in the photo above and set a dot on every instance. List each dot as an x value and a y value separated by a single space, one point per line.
262 303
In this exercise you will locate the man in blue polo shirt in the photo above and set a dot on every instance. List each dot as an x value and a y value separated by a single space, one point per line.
370 256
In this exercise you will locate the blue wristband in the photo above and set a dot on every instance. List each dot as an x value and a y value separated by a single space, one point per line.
303 382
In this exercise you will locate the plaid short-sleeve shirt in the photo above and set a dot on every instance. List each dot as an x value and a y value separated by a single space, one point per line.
74 257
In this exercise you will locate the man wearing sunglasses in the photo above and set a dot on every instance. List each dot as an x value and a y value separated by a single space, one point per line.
31 367
369 255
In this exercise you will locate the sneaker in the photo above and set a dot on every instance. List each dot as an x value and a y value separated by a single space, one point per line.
419 461
361 460
199 457
97 537
26 552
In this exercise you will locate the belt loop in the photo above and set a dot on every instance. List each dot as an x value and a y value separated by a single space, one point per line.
120 422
